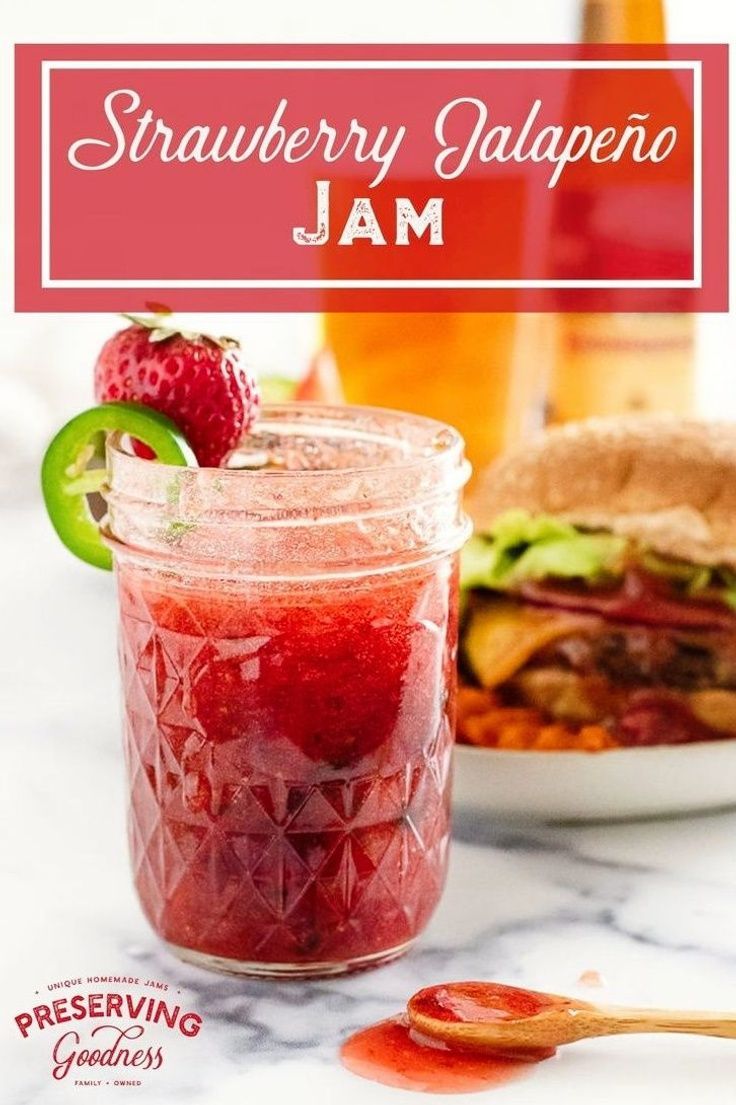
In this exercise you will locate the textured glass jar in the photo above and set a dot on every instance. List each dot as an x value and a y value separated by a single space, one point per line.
288 644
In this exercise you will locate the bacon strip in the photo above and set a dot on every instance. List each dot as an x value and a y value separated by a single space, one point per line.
641 597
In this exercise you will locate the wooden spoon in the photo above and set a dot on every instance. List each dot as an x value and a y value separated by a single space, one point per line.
487 1016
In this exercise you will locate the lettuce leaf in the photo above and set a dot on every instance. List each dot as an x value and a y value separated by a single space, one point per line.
728 582
521 547
694 580
690 577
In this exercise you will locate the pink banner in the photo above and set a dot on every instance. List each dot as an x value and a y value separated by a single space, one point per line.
371 178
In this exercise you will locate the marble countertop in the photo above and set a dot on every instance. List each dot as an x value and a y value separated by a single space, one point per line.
651 907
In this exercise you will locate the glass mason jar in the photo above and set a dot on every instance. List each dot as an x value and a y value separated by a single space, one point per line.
288 642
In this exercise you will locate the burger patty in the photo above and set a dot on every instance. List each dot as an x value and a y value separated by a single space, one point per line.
643 683
646 656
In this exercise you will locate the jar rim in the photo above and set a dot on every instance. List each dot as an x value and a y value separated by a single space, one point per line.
401 507
424 441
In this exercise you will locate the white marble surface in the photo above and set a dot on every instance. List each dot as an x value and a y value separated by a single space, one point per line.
652 907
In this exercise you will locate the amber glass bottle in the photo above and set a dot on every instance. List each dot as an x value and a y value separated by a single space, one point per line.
460 367
621 363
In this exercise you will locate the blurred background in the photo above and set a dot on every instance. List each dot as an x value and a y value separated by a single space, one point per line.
497 376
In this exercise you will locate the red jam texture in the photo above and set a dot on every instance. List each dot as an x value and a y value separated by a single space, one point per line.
391 1053
481 1002
289 753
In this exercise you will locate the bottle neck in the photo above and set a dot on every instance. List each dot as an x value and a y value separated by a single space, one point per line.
623 21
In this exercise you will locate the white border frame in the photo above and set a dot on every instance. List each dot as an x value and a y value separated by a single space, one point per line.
47 282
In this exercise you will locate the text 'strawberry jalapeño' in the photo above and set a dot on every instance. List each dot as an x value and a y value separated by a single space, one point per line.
288 646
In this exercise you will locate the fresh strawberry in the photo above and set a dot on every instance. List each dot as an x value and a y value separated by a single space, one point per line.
198 381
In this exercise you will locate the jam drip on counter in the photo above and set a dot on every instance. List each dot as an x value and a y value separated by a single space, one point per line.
393 1053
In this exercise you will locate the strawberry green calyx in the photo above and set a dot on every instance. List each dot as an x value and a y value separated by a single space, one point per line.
160 330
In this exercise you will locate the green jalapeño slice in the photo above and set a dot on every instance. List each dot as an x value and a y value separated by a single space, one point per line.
67 480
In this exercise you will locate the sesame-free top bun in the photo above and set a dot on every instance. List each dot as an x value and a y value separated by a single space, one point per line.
668 482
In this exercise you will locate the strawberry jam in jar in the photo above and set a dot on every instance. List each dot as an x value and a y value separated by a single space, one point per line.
288 643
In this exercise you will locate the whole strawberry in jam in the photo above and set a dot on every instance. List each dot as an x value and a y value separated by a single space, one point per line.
200 382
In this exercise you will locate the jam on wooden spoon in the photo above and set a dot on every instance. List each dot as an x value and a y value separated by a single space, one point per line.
482 1016
478 1016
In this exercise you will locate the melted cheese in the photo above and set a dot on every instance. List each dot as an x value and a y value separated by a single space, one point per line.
715 708
502 636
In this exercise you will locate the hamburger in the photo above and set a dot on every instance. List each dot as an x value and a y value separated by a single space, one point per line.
599 590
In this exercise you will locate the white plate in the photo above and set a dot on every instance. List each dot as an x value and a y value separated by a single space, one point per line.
599 786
